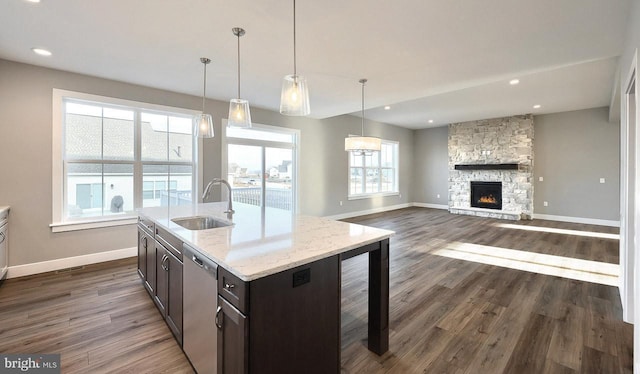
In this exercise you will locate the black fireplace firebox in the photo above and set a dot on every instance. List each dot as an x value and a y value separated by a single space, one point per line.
486 195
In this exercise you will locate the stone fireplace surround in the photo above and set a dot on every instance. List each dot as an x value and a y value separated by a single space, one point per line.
506 140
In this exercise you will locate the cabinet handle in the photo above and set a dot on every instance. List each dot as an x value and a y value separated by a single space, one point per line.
229 286
164 259
146 244
218 323
3 237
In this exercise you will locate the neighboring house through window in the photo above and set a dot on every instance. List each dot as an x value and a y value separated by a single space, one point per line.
112 156
375 173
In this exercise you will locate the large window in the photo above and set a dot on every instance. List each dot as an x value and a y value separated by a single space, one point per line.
112 156
375 173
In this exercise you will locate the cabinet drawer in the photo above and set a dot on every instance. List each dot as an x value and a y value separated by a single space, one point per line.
170 242
147 225
233 289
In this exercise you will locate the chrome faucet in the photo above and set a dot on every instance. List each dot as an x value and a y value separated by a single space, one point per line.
207 191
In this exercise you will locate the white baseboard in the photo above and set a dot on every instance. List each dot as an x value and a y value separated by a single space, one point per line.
368 211
589 221
433 206
69 262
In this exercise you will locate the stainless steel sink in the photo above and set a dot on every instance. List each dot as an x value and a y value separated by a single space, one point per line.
200 222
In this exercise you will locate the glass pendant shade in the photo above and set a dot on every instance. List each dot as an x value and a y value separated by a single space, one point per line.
239 114
362 144
203 123
204 126
294 100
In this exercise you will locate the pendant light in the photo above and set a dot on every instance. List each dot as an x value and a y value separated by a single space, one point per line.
239 114
362 144
294 100
204 122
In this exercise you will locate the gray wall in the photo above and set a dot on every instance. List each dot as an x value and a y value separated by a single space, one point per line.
323 161
26 141
573 150
632 43
431 171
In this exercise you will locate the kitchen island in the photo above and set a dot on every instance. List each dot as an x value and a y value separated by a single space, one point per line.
278 283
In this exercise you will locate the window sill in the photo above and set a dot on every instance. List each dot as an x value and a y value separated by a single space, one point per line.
93 224
373 195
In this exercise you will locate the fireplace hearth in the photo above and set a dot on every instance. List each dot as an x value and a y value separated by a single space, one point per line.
486 195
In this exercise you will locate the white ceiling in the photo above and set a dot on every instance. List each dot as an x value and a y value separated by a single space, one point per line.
449 61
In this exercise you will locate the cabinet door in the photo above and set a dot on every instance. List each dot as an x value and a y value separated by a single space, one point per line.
233 348
174 300
162 279
150 276
143 243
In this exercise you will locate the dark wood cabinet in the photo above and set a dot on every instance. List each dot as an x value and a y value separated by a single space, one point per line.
161 294
143 241
168 291
146 256
174 299
288 322
295 320
150 279
233 289
233 342
160 267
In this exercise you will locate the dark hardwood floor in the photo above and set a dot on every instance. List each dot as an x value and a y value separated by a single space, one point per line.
447 315
456 316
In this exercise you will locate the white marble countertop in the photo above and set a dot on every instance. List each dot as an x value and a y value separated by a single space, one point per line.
256 246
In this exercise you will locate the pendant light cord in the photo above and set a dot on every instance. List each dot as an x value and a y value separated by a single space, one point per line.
363 82
238 65
204 86
295 72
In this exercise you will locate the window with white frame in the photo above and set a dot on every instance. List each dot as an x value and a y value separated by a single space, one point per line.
261 166
113 156
375 173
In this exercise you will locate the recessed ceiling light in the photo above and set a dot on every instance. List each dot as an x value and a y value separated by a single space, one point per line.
41 52
33 1
513 82
387 107
537 106
430 121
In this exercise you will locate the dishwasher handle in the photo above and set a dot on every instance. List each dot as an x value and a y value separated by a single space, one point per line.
198 261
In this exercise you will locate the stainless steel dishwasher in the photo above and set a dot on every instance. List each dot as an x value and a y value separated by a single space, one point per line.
199 310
